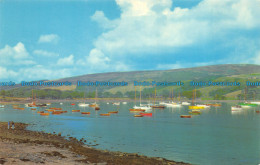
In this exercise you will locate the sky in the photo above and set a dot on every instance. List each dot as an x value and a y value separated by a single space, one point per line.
52 39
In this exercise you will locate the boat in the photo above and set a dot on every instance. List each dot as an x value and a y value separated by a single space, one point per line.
33 109
185 103
124 103
104 114
50 110
75 110
256 102
116 103
83 104
185 116
236 108
196 107
20 108
137 110
147 114
56 112
44 114
63 111
195 112
2 106
85 113
72 104
33 104
214 105
247 105
95 105
113 112
40 112
203 105
138 116
155 106
257 111
172 104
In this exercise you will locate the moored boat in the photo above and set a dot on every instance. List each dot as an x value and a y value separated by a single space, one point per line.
138 116
147 114
185 116
136 110
44 114
75 110
113 112
85 113
236 108
104 114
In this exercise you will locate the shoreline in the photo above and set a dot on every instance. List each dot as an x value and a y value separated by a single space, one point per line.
24 101
59 150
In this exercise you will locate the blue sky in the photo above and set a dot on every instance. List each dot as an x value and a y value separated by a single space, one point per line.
61 38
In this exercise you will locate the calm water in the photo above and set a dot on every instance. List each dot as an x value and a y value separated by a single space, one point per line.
215 136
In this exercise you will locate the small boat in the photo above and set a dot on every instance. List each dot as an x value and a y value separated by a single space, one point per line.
72 104
257 111
185 103
158 106
214 105
57 108
2 106
20 108
147 114
75 110
63 111
196 107
113 112
61 103
44 114
203 105
48 103
97 108
50 110
246 105
56 112
83 104
107 102
85 113
185 116
104 114
138 116
33 109
40 112
117 103
195 112
136 110
236 108
124 102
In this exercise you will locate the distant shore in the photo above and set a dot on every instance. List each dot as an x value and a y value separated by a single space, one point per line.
20 146
89 100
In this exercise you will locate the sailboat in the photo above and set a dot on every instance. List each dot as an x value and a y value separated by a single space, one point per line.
194 98
95 105
173 104
246 104
156 105
83 104
140 108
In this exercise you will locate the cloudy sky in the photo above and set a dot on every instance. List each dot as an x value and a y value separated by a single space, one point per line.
51 39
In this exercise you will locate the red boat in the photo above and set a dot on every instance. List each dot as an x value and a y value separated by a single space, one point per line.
185 116
72 104
146 114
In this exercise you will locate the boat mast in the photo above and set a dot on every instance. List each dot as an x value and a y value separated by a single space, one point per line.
140 95
155 96
135 95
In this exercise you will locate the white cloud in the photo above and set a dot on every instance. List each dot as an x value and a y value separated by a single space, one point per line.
45 53
169 66
148 25
66 61
49 38
7 74
16 55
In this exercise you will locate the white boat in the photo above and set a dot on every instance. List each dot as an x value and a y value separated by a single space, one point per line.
124 102
185 103
203 105
116 103
256 102
83 104
107 102
236 108
61 103
173 104
2 106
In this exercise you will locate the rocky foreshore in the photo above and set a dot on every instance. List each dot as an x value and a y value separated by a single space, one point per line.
21 146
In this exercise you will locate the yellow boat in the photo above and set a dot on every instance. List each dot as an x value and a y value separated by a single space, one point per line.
75 110
196 107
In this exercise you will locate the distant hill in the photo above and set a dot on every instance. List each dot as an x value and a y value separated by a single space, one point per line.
226 72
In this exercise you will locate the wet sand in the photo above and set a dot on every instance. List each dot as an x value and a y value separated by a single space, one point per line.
21 146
